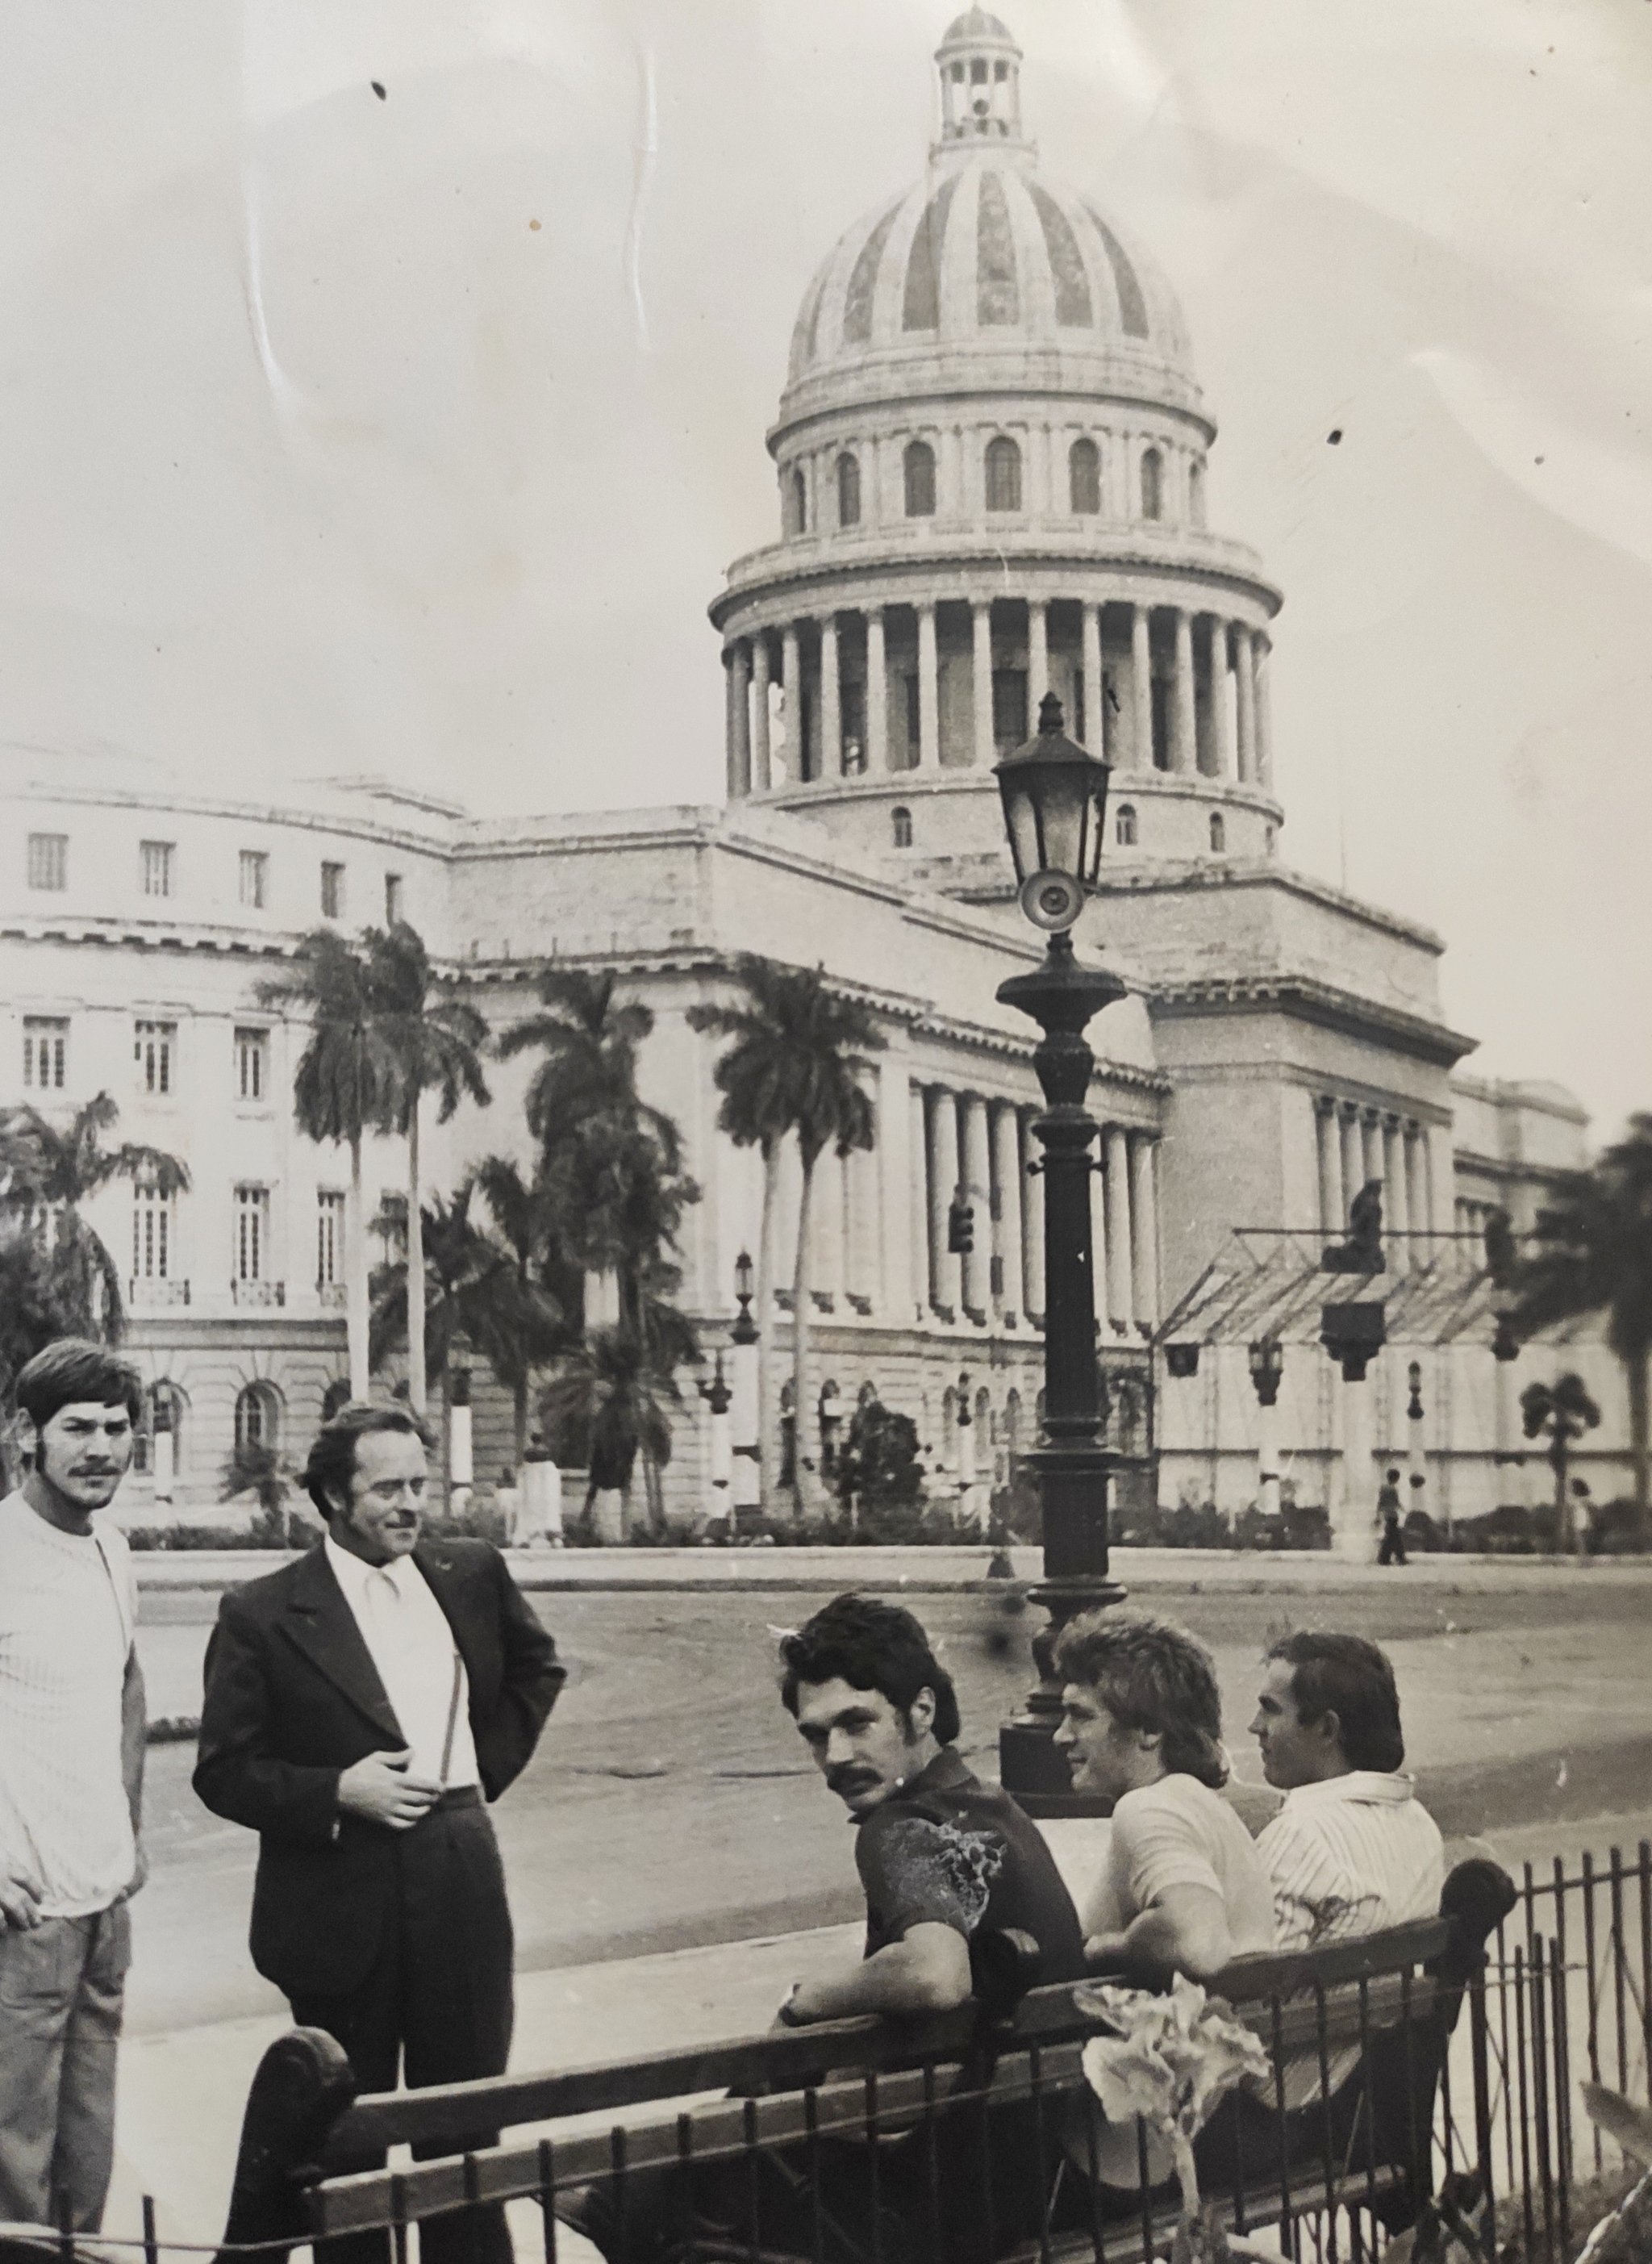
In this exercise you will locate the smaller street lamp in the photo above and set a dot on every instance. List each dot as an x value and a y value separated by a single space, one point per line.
1267 1369
743 1421
718 1398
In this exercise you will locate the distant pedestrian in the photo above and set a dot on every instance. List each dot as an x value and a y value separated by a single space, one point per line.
71 1776
1393 1549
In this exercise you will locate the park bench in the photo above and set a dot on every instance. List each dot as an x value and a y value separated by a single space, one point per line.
1394 1997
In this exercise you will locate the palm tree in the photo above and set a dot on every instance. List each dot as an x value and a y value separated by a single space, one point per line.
607 1400
547 1285
432 1044
1560 1412
345 1085
792 1066
1592 1252
31 1316
47 1174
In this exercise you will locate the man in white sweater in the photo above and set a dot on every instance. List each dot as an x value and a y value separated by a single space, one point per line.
71 1767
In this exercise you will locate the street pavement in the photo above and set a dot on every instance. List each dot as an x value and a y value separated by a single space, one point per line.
674 1864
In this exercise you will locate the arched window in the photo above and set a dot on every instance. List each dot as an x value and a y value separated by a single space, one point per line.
1196 494
1004 474
1084 476
848 489
1218 833
161 1413
797 503
257 1417
919 464
1152 485
900 827
1124 829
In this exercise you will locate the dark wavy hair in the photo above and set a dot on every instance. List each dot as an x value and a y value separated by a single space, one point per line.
332 1458
71 1371
1347 1676
1151 1675
870 1646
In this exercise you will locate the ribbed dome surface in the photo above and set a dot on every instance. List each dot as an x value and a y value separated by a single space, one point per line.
988 255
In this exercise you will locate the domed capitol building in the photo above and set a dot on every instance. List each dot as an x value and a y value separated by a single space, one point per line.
991 454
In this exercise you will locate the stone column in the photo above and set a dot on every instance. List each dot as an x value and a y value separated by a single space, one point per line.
1182 749
1221 709
1141 690
1442 1177
917 1203
1245 688
826 1228
831 701
897 1166
1098 1247
1144 1225
981 653
877 695
1121 1296
1261 648
1396 1225
760 713
1416 1193
1094 696
1353 1161
929 730
738 688
946 1285
1331 1220
792 678
977 1176
1032 1219
1371 1146
1006 1187
1038 657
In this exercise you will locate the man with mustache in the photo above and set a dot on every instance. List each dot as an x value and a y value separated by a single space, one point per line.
71 1778
360 1706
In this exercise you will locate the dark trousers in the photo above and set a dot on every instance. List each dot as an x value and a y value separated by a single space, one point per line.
1393 1549
436 2004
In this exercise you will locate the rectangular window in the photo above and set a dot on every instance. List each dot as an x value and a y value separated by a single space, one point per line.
253 1233
151 1235
392 898
45 1052
255 874
332 892
152 1049
329 1239
48 860
155 868
252 1065
914 720
1009 707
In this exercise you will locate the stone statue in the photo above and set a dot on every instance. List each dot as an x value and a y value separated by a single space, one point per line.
1362 1252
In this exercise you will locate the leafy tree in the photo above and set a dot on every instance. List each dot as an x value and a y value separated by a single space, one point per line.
609 1404
1561 1412
791 1066
46 1174
1592 1252
473 1286
31 1316
346 1084
878 1464
431 1040
542 1316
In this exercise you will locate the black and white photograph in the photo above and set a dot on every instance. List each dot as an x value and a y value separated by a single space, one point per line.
826 1132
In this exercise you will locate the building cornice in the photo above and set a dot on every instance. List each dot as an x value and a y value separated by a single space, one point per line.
1303 997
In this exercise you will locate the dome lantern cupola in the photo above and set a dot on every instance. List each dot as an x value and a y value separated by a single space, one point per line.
980 66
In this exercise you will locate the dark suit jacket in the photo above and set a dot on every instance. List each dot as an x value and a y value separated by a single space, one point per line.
294 1699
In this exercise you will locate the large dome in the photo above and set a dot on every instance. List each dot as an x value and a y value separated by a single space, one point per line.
988 271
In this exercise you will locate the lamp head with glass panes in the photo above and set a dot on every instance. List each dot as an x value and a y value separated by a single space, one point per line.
1055 796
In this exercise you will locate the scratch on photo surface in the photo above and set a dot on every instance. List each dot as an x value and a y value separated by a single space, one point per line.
648 148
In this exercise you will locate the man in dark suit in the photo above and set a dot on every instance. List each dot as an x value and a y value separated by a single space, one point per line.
360 1705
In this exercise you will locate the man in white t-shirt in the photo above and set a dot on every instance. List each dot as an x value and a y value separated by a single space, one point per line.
71 1770
1182 1887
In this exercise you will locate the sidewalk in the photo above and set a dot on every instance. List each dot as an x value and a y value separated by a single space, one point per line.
181 2094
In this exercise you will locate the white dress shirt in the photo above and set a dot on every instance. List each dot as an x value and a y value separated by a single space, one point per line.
410 1643
1350 1856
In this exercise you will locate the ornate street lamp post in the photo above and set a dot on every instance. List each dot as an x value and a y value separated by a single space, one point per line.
1055 796
745 1441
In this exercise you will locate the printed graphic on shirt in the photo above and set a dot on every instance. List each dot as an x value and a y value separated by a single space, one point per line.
939 1871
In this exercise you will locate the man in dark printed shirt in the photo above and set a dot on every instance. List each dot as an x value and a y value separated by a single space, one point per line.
941 1856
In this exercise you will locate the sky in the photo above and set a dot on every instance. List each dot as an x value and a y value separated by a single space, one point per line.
413 434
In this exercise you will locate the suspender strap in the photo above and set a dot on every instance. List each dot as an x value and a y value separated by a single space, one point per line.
453 1716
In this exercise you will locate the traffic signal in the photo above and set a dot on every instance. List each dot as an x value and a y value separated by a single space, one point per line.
960 1228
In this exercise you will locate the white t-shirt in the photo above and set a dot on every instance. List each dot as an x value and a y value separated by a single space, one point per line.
67 1607
1178 1832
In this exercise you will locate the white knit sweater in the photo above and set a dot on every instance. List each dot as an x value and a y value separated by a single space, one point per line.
67 1607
